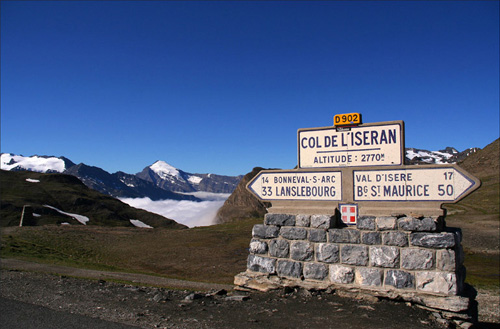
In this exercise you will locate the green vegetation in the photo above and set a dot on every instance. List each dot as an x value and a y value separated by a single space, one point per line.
482 270
207 254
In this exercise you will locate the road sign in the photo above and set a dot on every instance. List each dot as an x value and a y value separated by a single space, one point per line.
379 144
440 183
271 185
349 119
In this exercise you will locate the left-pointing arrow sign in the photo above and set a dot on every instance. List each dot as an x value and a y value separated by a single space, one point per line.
294 185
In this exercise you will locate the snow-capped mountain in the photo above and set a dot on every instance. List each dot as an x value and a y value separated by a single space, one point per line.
170 178
448 155
159 181
43 164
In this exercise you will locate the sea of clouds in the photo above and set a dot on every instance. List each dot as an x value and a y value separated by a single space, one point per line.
189 213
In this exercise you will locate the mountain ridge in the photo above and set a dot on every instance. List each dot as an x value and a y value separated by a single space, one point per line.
147 183
161 180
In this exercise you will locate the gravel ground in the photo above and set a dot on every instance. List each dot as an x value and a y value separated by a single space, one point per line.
150 307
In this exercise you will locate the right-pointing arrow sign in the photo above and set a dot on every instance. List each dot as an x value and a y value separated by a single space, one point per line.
443 184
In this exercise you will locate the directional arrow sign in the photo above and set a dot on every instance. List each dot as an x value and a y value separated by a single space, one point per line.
442 184
293 185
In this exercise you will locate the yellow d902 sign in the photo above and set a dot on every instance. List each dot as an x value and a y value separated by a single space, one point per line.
347 119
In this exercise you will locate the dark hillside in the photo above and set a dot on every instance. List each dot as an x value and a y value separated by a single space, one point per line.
484 163
241 204
36 191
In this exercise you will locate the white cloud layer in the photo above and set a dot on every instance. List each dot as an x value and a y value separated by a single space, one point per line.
189 213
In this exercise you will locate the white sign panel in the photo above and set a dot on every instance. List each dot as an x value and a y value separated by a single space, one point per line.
368 145
291 185
425 184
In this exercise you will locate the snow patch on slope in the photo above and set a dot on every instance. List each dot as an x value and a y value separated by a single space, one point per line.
138 223
195 179
80 218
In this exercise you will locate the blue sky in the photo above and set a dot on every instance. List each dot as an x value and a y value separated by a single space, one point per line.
223 86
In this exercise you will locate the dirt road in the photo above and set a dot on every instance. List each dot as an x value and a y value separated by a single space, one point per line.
187 304
152 307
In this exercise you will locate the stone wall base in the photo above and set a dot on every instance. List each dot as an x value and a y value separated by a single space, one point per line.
454 311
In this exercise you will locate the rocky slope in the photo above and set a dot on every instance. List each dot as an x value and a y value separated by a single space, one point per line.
241 203
169 178
485 162
122 185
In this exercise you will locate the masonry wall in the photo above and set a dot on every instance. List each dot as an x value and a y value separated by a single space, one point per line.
385 253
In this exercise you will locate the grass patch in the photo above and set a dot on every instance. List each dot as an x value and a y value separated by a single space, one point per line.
205 254
482 270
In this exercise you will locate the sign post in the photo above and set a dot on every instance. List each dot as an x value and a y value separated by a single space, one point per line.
378 144
358 169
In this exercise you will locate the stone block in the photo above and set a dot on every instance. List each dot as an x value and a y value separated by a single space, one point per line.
437 282
293 233
384 256
279 248
448 303
446 260
399 279
341 274
317 235
386 223
322 221
426 224
395 238
354 255
344 235
366 223
261 264
265 231
289 268
417 259
279 219
302 251
302 220
371 238
258 247
315 271
432 240
327 253
369 276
